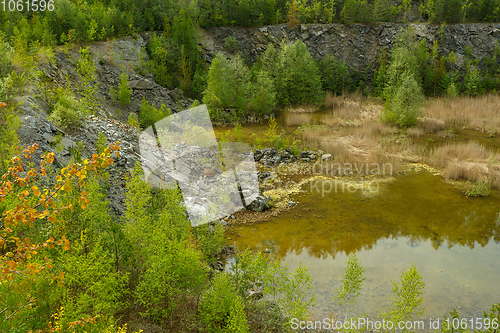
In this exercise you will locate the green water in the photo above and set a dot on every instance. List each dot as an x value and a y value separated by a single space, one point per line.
417 218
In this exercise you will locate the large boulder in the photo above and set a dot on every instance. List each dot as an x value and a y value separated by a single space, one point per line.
260 204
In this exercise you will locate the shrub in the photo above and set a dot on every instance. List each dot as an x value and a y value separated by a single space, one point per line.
289 290
452 90
352 280
406 303
405 106
124 91
133 120
67 112
149 114
231 44
91 286
221 308
172 269
472 81
479 189
168 265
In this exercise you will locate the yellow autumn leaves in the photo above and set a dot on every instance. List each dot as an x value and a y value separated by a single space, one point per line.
35 203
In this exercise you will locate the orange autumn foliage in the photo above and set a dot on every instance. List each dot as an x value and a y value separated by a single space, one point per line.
28 203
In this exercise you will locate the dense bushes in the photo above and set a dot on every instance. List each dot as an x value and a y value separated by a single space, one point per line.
222 309
174 55
286 76
80 268
149 114
296 75
232 91
66 112
334 74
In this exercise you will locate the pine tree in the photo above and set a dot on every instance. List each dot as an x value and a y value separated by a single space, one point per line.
124 91
297 75
292 16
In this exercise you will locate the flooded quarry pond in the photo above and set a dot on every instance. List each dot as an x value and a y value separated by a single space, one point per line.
416 217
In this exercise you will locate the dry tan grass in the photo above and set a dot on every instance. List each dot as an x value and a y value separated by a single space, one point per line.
431 125
481 113
297 119
415 132
349 110
305 108
374 129
363 144
470 161
352 133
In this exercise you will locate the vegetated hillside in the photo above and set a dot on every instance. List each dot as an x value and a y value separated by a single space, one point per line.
61 80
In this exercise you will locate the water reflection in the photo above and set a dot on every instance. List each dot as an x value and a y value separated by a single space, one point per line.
416 218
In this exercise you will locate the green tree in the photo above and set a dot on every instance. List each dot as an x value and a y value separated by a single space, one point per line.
407 299
403 59
263 96
221 308
217 73
169 266
85 68
472 81
352 281
124 91
334 74
67 112
404 107
349 12
297 77
228 85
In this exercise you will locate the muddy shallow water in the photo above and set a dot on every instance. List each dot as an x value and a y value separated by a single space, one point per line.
415 218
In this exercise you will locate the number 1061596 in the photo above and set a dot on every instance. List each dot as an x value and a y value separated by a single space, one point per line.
28 5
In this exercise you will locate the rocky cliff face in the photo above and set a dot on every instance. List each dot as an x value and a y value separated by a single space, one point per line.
358 45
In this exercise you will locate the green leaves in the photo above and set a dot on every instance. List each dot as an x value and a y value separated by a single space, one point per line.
405 105
230 87
85 68
334 74
149 114
297 76
222 309
124 91
406 303
352 281
290 291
